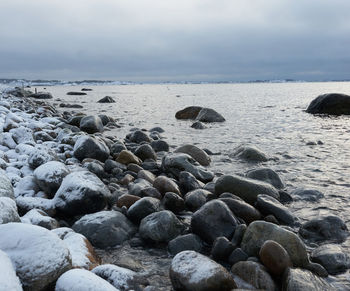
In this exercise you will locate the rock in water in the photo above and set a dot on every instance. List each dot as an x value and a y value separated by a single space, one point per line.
333 103
8 278
76 93
106 99
41 95
209 115
192 271
89 147
198 154
190 112
38 255
307 194
251 154
267 175
91 124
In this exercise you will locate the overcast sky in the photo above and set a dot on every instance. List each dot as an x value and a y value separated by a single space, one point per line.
160 40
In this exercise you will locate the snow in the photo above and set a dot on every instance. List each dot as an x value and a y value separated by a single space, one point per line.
29 203
26 187
8 278
22 135
6 189
50 173
82 280
8 210
7 140
39 217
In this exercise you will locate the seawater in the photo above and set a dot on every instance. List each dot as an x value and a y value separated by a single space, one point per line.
270 116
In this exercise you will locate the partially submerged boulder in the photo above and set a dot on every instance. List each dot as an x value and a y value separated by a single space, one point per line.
202 114
106 99
332 103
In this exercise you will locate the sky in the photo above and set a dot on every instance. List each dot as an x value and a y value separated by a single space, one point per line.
178 40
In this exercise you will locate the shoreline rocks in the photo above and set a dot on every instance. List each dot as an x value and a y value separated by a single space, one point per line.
332 103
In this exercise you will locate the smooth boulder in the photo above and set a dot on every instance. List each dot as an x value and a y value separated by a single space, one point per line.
250 153
332 103
196 153
209 115
266 175
89 147
91 124
190 112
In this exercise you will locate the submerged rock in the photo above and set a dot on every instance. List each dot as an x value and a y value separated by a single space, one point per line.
209 115
332 103
106 99
307 194
250 153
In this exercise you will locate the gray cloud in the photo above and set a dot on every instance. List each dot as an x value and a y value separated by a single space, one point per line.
175 40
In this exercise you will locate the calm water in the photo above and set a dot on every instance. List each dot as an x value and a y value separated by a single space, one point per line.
268 116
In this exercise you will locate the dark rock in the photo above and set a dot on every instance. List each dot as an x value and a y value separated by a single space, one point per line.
238 255
127 157
267 175
143 207
109 165
117 147
173 202
139 136
188 182
238 235
187 242
164 184
151 192
196 153
76 93
285 197
89 147
197 198
137 186
41 95
86 89
145 152
198 125
105 119
307 194
160 146
127 200
190 112
106 99
157 129
96 168
332 103
67 105
75 120
222 248
91 124
209 115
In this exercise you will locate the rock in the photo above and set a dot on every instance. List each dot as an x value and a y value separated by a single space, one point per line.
238 235
212 220
105 228
49 176
79 279
147 175
160 145
127 200
245 188
6 189
126 157
209 115
332 103
139 136
75 120
86 89
266 175
121 278
251 154
96 167
143 207
157 129
222 248
164 184
80 193
258 232
328 228
8 278
106 99
307 194
89 147
301 280
138 186
105 119
197 198
160 227
274 257
187 242
91 124
39 157
240 208
8 210
41 95
332 258
196 153
117 147
151 192
38 255
238 255
269 205
26 204
67 105
190 112
76 93
188 182
173 202
192 271
40 218
254 274
145 152
198 125
175 163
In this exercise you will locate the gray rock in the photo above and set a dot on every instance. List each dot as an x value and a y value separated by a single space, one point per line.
89 147
105 228
307 194
198 125
147 175
197 198
139 136
145 152
245 188
238 235
80 193
192 271
212 220
75 120
6 189
196 153
160 146
328 228
188 182
164 184
26 204
266 175
160 227
150 192
40 218
41 95
143 207
117 147
8 278
106 99
332 258
91 124
190 112
173 202
39 157
209 115
187 242
250 153
157 129
238 255
222 248
8 210
76 93
138 186
332 103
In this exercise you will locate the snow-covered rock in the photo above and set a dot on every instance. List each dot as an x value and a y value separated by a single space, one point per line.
26 186
8 278
80 193
40 156
8 211
26 204
40 218
22 135
6 189
82 280
38 255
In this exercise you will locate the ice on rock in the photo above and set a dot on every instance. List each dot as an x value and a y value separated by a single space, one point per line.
8 211
8 278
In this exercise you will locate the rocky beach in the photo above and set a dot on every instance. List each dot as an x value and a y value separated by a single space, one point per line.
83 209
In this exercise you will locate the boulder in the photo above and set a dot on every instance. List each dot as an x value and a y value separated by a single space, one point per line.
332 103
307 194
39 256
8 278
196 153
105 228
89 147
173 202
222 248
40 218
8 210
145 152
127 200
328 228
164 184
76 93
41 95
250 154
198 125
126 157
245 188
143 207
238 255
159 145
139 136
190 112
39 157
258 232
147 175
106 99
209 115
187 242
190 271
188 182
162 226
80 193
197 198
6 189
91 124
212 220
266 175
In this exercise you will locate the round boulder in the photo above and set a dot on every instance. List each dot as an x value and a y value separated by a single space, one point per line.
89 147
332 103
198 154
91 124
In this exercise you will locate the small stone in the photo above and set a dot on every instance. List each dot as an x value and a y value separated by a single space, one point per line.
187 242
237 255
221 249
127 200
143 207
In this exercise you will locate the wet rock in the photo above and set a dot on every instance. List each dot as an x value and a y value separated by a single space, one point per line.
192 271
39 256
328 228
222 248
307 194
106 99
164 184
198 125
40 218
147 175
332 258
175 163
8 278
76 93
238 235
49 176
8 210
143 207
91 124
269 205
151 192
251 154
138 186
266 175
160 145
173 202
196 153
75 120
162 226
127 200
41 95
188 182
245 188
197 198
212 220
135 168
139 136
89 147
145 152
274 257
96 167
190 112
126 157
254 274
105 228
80 193
258 232
332 103
187 242
238 255
209 115
117 147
